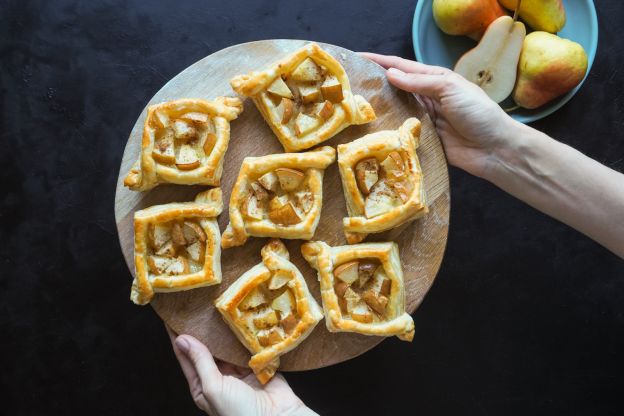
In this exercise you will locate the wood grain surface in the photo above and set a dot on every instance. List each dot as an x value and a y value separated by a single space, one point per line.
422 242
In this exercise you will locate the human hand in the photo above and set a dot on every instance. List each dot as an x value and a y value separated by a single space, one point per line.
220 388
469 123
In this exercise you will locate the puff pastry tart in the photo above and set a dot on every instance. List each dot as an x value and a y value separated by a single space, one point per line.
278 196
176 246
184 142
305 98
362 288
382 181
270 309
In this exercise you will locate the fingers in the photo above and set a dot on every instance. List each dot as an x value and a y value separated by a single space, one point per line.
404 65
185 363
201 360
424 84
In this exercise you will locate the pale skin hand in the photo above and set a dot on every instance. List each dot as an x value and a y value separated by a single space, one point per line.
220 388
479 137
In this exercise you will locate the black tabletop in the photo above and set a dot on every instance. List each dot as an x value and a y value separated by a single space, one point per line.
526 315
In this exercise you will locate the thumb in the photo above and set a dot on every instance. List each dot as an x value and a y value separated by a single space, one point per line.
428 85
202 360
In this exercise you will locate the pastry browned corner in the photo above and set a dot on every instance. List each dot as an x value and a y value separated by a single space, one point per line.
278 195
177 246
184 142
270 309
305 98
382 180
362 288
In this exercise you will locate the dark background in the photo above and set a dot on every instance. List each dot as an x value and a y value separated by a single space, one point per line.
526 315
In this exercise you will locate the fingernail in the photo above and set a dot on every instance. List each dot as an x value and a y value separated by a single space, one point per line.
183 344
396 72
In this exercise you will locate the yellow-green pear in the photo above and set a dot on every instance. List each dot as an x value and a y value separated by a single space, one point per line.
544 15
466 17
549 66
493 63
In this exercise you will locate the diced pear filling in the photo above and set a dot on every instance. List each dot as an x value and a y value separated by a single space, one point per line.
281 196
306 97
384 184
176 247
269 310
362 289
183 140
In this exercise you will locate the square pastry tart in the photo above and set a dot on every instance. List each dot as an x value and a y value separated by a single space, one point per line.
305 98
362 288
270 309
177 246
382 181
278 195
184 142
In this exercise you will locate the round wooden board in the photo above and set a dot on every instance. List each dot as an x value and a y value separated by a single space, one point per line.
422 242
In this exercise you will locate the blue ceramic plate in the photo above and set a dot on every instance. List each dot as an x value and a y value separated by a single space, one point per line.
434 47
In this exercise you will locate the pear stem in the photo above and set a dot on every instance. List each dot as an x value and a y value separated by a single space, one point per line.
517 11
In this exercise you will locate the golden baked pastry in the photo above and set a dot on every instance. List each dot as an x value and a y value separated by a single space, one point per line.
382 181
362 288
184 142
176 246
270 309
305 98
278 196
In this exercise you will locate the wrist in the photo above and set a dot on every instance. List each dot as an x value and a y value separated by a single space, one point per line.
512 152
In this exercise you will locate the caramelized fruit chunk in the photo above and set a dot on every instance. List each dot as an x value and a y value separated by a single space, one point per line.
307 70
340 288
157 264
167 250
269 337
324 110
381 200
289 323
286 109
284 303
361 313
279 88
366 271
367 174
159 235
375 301
304 124
184 131
347 272
164 149
309 93
279 279
285 215
254 299
332 90
393 165
269 181
289 179
266 319
252 208
196 251
187 158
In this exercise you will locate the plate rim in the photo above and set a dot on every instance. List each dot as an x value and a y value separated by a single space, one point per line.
555 105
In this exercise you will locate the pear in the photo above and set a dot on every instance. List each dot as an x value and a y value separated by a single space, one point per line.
544 15
466 17
493 63
549 66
